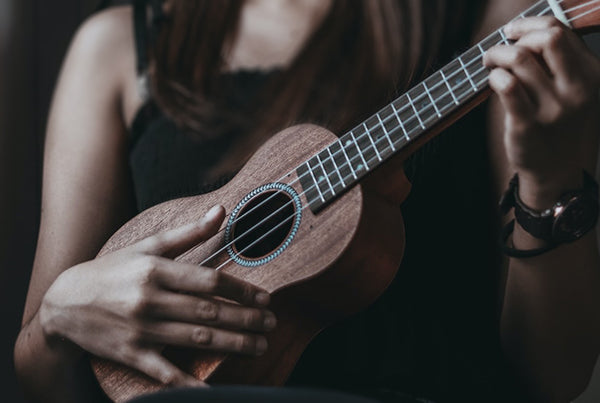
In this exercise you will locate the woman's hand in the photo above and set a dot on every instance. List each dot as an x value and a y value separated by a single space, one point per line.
548 83
126 305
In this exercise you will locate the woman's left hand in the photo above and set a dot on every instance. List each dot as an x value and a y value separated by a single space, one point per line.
548 82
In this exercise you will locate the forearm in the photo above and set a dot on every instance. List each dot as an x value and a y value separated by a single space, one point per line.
52 370
551 315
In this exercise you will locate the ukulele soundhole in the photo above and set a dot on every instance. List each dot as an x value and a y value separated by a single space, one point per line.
263 224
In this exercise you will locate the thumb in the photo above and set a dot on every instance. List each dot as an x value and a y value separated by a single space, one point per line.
173 243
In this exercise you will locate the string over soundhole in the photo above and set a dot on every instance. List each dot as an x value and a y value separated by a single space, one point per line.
263 224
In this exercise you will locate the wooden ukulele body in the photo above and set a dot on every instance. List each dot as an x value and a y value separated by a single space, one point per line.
338 262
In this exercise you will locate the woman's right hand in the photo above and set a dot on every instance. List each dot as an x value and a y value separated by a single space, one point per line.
126 305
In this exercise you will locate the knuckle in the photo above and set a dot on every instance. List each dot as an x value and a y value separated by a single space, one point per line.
148 267
206 310
140 303
553 22
135 338
212 280
245 343
252 318
520 56
247 292
556 36
201 335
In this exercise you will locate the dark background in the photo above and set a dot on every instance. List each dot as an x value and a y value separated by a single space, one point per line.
34 35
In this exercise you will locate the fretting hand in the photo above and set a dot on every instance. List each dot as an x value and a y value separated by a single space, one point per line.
548 82
126 305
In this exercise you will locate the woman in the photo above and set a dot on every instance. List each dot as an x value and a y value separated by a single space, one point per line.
223 73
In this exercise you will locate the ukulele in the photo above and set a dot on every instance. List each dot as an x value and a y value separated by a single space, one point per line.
300 225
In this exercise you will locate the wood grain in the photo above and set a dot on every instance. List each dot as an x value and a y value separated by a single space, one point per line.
337 264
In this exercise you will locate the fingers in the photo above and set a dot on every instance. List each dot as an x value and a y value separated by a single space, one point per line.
522 63
151 363
203 337
194 310
517 28
200 280
513 96
174 242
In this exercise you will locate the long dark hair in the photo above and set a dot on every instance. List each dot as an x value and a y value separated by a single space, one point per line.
361 55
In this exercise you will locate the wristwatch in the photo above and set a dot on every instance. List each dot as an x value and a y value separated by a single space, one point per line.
569 219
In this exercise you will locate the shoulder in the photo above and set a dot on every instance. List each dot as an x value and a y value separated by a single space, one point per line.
103 51
105 33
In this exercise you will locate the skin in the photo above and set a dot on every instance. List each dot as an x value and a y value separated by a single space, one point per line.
127 304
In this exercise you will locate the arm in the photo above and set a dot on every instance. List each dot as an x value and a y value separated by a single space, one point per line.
86 194
122 306
544 125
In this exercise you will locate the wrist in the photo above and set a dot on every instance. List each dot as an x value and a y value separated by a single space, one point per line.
540 193
53 324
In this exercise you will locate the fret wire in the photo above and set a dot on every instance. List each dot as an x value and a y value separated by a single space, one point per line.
326 174
400 122
387 135
449 88
504 39
371 140
343 147
335 165
396 112
432 101
483 79
415 109
467 73
316 183
359 151
481 50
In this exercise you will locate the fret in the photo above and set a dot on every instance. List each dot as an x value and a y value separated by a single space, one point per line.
407 115
406 136
458 79
348 162
335 166
378 137
504 38
329 165
391 125
310 188
354 154
368 134
414 108
449 87
439 90
326 174
360 153
365 145
474 65
387 134
464 67
541 8
480 49
491 40
320 177
437 111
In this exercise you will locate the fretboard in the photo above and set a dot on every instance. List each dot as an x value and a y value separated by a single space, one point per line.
327 174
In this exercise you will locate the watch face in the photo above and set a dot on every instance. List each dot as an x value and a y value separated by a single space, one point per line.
577 217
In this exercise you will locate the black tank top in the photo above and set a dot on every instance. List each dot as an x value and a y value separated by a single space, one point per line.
434 333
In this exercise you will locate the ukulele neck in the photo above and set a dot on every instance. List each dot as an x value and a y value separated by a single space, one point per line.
342 164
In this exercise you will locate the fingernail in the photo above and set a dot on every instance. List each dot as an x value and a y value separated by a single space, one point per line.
261 346
270 321
213 212
262 298
508 29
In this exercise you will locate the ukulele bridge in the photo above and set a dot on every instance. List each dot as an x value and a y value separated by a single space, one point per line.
263 224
